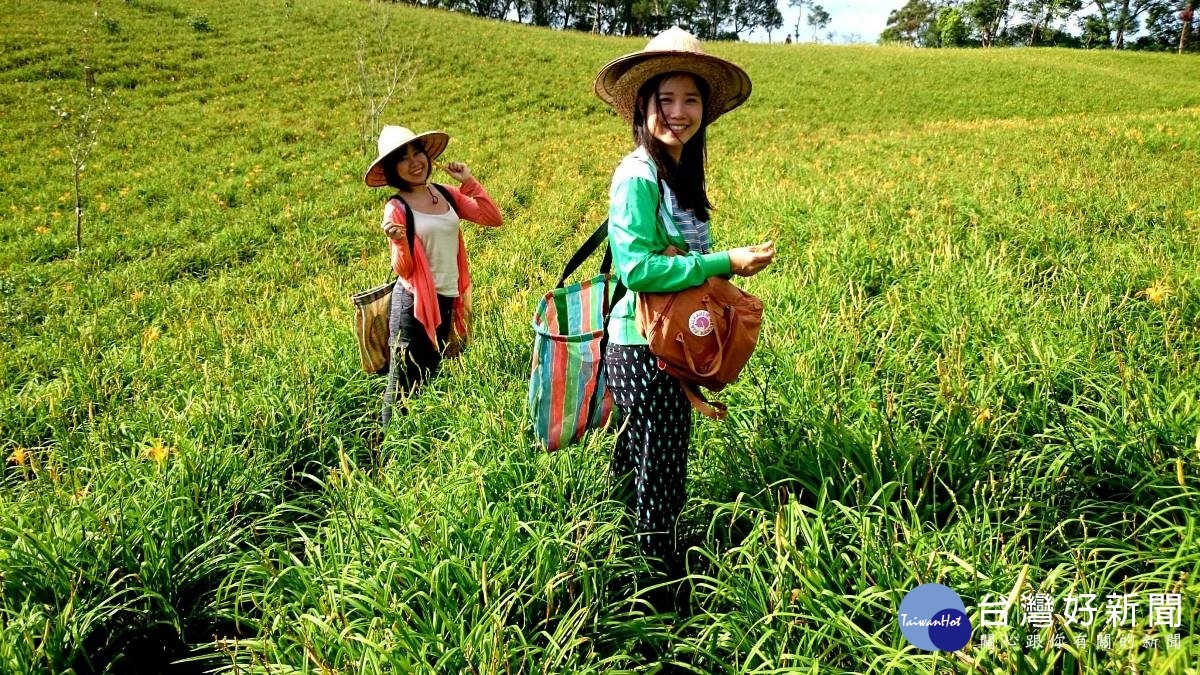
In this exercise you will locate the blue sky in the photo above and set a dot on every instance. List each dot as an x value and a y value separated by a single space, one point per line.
850 20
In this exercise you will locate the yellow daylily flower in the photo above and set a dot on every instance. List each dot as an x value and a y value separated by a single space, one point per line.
1157 292
158 452
19 456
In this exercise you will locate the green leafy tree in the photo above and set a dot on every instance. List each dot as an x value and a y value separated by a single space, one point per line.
1096 32
952 30
569 12
491 9
912 24
602 16
706 18
772 19
818 19
742 16
1163 28
1186 17
541 12
576 14
649 17
1120 17
988 17
684 13
1044 14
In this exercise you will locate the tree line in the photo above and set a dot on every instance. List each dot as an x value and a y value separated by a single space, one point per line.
1160 25
706 19
1119 24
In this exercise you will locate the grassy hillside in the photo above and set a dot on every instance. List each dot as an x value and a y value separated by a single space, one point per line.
978 366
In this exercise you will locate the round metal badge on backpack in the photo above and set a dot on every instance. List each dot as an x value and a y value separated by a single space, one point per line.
700 323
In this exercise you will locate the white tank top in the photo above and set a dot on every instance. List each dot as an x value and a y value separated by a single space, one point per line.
439 236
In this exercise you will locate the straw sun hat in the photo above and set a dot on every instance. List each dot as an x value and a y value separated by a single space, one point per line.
392 138
673 50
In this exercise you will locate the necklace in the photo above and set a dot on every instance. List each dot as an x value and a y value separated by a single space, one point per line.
413 193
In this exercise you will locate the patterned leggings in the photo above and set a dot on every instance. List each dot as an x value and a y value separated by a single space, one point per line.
652 448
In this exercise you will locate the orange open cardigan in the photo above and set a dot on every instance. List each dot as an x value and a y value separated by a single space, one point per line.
473 203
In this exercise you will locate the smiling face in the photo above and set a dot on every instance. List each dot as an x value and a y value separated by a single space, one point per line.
675 112
412 164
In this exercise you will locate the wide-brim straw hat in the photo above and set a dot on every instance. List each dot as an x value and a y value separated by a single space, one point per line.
392 138
673 50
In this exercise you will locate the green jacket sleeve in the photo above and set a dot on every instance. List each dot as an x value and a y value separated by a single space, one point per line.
637 240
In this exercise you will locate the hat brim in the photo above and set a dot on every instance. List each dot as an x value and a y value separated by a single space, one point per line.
435 143
618 83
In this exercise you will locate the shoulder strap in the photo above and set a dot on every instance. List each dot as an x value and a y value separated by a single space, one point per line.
409 226
589 247
408 213
585 251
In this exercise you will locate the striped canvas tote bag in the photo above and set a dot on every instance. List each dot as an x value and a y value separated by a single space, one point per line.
568 394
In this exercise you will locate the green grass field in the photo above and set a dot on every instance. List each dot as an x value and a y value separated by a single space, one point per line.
978 368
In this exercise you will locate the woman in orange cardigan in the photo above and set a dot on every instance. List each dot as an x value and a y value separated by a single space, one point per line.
432 299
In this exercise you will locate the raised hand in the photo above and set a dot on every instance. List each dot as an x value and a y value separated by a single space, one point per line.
459 171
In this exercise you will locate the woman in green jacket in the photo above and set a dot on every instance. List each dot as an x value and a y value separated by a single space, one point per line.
658 205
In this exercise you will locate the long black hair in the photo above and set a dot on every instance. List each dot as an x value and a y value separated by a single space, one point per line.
389 165
685 177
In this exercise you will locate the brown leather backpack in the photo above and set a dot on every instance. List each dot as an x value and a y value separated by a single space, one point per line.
702 335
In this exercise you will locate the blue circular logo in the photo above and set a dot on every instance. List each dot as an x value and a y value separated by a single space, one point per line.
933 618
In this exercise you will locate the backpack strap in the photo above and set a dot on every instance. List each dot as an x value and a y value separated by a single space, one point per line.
409 226
408 212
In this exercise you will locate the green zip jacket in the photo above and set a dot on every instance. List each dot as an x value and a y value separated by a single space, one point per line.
640 227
